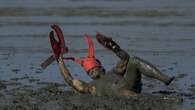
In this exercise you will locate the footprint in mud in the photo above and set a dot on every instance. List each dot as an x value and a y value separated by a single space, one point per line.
171 68
32 79
164 92
20 78
31 68
2 85
175 63
13 84
180 76
192 88
38 70
16 70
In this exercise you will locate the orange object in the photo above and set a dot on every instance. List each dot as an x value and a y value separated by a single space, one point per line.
90 61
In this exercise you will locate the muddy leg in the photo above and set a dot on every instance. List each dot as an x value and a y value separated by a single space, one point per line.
136 67
149 70
132 77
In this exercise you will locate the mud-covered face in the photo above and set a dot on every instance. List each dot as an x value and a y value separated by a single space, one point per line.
96 72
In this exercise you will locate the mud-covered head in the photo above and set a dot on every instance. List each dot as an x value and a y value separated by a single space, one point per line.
96 71
91 64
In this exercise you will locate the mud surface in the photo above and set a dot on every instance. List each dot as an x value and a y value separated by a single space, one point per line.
52 97
159 31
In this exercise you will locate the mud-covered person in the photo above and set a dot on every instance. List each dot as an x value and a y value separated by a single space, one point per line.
122 80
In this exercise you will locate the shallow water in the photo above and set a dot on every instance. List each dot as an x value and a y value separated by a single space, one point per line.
160 31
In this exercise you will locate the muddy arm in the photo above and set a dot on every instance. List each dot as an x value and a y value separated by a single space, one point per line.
108 43
121 65
78 85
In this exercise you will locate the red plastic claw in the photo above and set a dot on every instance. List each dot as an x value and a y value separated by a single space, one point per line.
90 61
60 36
90 46
58 46
55 45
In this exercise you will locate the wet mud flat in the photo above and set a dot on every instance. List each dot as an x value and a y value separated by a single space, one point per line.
159 31
53 97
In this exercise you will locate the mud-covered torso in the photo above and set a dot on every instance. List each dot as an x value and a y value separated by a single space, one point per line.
108 85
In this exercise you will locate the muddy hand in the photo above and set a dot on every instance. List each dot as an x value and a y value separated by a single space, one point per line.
58 46
107 42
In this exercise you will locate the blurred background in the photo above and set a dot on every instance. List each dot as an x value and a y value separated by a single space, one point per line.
159 31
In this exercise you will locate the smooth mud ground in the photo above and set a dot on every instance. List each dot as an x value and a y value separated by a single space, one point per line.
159 31
52 97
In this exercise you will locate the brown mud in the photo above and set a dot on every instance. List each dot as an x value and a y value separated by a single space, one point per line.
52 97
159 31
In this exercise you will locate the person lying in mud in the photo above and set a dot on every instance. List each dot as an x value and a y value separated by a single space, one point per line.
122 80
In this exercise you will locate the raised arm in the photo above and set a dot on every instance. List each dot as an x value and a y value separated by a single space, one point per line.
78 85
121 65
108 43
